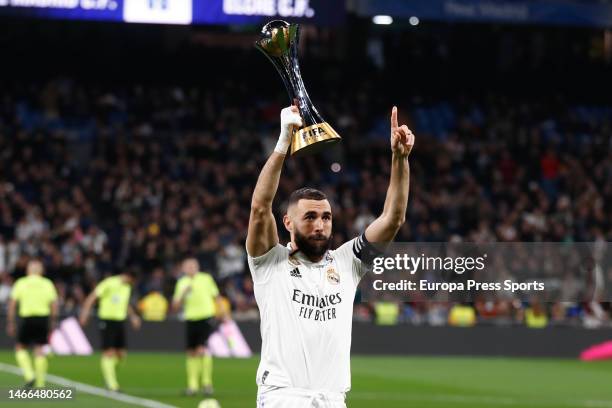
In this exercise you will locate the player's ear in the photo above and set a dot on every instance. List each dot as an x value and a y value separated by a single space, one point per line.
287 222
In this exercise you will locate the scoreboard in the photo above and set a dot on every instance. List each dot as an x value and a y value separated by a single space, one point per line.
324 12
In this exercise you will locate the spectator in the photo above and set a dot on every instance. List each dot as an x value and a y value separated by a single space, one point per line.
158 177
462 315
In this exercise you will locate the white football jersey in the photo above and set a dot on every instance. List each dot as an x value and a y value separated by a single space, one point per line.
306 313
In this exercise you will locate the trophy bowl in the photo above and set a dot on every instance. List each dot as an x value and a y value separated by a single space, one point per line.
279 42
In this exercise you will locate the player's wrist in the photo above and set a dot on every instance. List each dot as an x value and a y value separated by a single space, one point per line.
283 143
289 120
398 156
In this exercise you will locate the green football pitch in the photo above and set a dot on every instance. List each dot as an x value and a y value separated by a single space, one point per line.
381 382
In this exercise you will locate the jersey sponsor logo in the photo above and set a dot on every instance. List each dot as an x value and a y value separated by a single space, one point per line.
314 300
264 376
333 277
317 308
295 273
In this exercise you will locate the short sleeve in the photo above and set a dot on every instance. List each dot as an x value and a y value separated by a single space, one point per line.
263 266
178 289
101 288
16 291
348 254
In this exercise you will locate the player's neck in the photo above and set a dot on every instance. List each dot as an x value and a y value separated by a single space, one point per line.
295 249
315 260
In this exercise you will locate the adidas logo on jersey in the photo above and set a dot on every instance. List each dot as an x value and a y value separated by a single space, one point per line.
295 273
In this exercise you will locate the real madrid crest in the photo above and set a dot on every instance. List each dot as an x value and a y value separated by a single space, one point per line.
332 276
293 261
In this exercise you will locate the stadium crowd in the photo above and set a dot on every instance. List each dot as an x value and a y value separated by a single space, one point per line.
99 179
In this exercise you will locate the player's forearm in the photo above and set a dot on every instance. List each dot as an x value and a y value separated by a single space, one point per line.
54 313
177 302
86 309
11 312
267 183
386 226
396 200
181 299
84 315
131 312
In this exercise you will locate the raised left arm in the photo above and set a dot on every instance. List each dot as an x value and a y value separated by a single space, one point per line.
386 226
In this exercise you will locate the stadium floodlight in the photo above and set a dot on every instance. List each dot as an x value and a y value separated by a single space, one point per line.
414 20
382 20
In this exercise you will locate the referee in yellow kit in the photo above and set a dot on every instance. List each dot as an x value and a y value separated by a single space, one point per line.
113 294
37 299
197 292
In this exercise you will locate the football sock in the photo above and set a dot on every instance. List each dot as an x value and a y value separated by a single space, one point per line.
40 368
194 365
25 363
207 367
108 365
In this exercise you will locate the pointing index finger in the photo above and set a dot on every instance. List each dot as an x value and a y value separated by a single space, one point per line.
394 117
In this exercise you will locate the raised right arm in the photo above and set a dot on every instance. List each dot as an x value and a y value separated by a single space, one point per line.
262 234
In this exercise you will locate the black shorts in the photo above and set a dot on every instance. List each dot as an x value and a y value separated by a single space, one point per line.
33 331
198 332
113 334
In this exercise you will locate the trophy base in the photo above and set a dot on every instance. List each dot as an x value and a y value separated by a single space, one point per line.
313 138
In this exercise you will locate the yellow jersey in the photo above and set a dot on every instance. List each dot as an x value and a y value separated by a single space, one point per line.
114 298
34 294
199 301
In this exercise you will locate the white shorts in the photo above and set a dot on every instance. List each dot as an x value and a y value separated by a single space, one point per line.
285 397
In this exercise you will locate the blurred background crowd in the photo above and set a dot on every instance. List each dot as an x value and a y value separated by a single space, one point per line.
100 176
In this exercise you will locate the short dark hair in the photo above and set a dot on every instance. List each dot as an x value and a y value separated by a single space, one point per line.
305 193
131 271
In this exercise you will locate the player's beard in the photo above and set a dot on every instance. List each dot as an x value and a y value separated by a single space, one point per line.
313 247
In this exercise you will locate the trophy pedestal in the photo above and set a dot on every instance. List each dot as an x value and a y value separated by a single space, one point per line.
313 139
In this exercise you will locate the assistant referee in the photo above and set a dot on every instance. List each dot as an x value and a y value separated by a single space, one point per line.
38 307
114 307
197 292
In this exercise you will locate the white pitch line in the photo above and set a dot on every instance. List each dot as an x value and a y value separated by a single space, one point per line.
90 389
